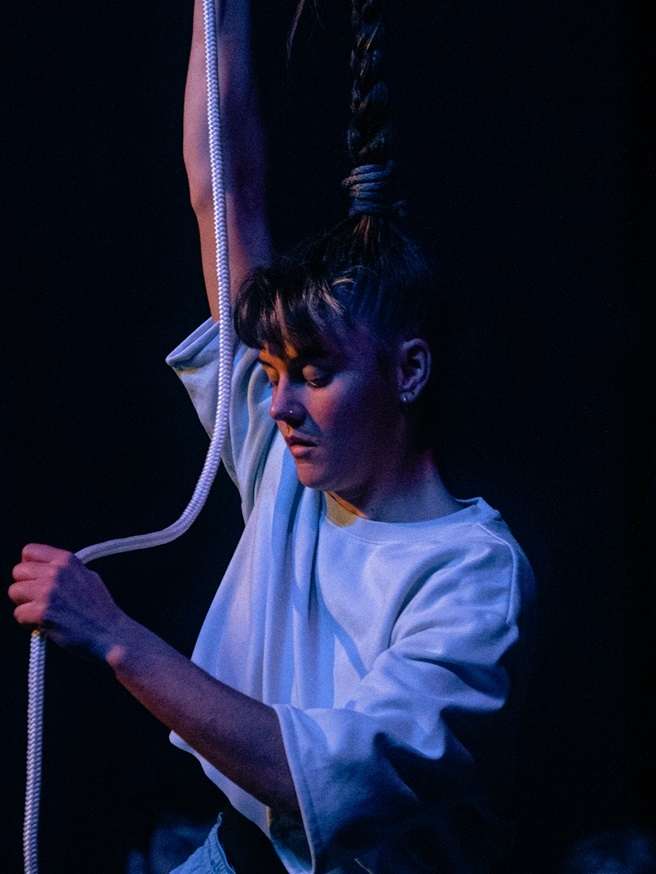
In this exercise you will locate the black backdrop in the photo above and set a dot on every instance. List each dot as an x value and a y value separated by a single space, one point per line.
519 138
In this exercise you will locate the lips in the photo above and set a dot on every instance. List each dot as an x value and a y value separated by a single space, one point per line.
299 447
294 440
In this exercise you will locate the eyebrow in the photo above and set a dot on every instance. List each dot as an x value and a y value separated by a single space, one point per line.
306 356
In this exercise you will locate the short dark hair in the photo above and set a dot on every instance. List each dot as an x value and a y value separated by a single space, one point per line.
341 281
337 281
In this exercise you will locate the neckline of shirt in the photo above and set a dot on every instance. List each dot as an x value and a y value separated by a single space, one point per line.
473 511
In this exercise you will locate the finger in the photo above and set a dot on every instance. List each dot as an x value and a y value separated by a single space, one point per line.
40 552
29 614
19 594
28 570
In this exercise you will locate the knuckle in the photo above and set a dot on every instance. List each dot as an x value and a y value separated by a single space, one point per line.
64 561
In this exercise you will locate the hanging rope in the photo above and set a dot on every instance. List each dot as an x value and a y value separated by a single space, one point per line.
36 672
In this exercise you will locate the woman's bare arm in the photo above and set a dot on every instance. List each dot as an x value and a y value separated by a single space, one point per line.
243 146
239 735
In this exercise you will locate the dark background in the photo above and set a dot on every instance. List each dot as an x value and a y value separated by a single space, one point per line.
525 146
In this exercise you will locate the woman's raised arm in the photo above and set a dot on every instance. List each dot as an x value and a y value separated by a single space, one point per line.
243 147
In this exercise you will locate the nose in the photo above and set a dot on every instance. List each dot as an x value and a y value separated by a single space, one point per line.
285 406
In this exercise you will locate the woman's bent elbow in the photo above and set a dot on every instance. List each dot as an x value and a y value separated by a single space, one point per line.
200 195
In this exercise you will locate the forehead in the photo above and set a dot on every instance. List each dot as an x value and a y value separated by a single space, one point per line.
346 349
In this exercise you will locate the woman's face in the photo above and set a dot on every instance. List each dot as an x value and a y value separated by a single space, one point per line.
338 411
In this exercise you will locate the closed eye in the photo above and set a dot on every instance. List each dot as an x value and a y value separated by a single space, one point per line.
310 374
316 378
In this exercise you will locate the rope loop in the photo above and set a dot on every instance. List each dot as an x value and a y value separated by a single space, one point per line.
370 187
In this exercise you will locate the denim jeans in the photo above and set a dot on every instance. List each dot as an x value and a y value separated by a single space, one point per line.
210 858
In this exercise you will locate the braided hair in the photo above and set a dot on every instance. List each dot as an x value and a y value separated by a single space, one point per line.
366 271
371 182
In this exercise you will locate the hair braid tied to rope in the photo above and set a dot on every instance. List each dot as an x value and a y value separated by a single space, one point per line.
367 271
372 182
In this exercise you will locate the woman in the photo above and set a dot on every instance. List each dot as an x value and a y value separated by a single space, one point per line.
350 691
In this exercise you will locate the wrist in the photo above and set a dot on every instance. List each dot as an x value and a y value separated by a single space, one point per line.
122 643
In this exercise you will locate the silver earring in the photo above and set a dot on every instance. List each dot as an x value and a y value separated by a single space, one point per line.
404 398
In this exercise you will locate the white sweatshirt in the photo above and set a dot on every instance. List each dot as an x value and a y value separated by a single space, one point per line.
387 650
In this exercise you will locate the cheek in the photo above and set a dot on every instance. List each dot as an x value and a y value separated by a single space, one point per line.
359 408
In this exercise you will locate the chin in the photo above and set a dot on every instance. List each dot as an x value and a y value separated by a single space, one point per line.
313 477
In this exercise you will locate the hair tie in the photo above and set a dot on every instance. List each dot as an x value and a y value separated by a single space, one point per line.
369 186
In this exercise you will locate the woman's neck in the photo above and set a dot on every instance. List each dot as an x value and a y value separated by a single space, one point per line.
413 491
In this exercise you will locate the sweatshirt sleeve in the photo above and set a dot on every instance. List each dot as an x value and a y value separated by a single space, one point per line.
405 748
250 427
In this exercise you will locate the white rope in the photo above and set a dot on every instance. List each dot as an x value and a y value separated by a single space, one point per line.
35 686
36 675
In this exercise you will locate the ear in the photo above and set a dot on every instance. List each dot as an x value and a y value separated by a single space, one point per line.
413 369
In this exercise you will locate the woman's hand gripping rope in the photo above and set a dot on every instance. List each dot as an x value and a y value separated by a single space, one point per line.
56 593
